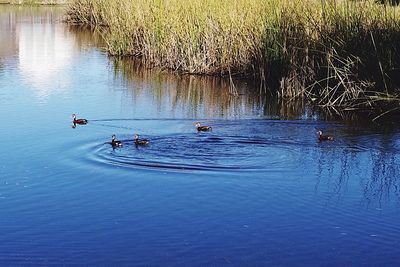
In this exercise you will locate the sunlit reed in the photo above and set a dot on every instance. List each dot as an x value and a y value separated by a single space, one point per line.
330 51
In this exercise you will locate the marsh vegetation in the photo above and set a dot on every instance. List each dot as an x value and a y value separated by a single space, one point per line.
336 54
34 2
259 189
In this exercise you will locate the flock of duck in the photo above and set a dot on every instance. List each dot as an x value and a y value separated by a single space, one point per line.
144 142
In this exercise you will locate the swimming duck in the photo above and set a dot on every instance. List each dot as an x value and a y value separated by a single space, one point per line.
201 128
141 142
115 142
322 137
78 121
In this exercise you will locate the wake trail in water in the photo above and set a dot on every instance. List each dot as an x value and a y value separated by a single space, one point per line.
153 119
232 146
195 152
113 126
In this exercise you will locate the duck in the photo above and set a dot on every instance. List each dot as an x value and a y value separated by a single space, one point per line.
322 137
78 121
115 142
201 128
140 142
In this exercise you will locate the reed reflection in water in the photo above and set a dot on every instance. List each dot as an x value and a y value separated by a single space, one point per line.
205 96
363 159
258 190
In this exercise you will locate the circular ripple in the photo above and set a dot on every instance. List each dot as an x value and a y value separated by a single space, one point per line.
198 152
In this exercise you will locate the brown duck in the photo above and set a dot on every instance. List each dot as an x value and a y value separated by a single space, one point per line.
140 142
115 142
201 128
78 121
323 137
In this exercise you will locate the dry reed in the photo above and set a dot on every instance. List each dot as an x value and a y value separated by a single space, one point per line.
340 53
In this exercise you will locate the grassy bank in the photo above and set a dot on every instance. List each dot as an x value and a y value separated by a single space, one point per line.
339 53
34 2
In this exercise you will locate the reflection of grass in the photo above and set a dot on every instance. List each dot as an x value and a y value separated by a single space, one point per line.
340 53
370 161
210 94
84 36
384 179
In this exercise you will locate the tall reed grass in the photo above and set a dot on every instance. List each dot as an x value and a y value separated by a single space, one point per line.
335 52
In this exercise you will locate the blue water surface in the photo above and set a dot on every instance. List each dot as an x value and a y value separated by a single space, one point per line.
258 190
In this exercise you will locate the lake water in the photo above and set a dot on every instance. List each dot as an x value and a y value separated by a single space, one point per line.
258 190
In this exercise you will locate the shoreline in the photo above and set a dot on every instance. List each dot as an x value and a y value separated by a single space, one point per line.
335 55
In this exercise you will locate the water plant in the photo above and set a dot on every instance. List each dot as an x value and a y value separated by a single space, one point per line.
336 53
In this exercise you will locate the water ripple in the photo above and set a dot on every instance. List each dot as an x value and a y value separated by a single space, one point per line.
196 152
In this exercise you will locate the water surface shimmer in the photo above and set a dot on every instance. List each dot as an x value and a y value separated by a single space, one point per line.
259 190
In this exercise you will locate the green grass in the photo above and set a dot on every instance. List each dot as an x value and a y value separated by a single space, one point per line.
34 2
338 53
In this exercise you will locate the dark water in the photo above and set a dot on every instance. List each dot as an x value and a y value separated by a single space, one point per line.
258 190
